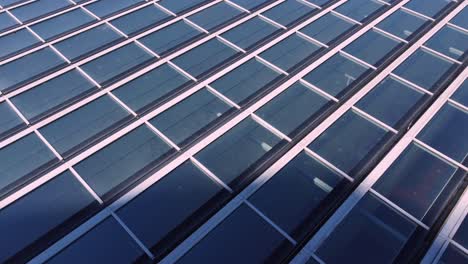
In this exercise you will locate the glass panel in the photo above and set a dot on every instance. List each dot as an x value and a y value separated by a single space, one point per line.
44 209
108 242
327 28
170 37
446 132
185 194
461 94
18 72
453 255
461 19
38 8
371 233
248 233
150 87
348 142
390 101
6 3
372 47
53 95
424 69
215 16
245 80
61 24
336 74
104 8
24 157
9 120
289 12
181 6
415 180
6 21
121 61
449 41
303 183
87 42
238 149
251 4
319 2
124 158
190 117
249 33
290 52
205 58
461 236
359 9
402 24
291 108
141 19
428 8
80 127
16 42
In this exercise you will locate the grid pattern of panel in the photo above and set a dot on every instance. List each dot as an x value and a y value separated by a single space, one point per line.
236 131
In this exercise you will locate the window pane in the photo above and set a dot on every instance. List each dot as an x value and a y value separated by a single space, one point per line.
16 42
349 141
289 12
390 101
424 69
215 16
34 215
185 194
248 233
9 120
461 236
428 8
108 242
104 8
141 19
6 21
303 183
146 90
327 28
205 58
336 74
453 255
18 72
291 108
461 94
449 41
61 24
402 24
245 80
446 132
290 52
252 4
38 8
461 19
249 33
121 61
359 9
88 42
171 37
180 6
238 149
190 117
124 158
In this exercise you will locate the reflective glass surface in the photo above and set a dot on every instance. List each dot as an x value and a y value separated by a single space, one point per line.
289 12
6 21
9 119
141 19
250 33
402 24
38 9
181 6
453 254
251 4
461 236
215 16
327 28
449 41
359 9
461 19
428 8
16 42
461 94
104 8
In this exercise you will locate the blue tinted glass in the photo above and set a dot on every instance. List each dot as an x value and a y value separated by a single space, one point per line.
169 203
406 182
449 41
424 69
372 47
16 42
104 8
71 132
6 21
290 52
108 242
19 71
88 41
147 89
428 8
292 108
251 4
192 115
205 58
231 154
53 95
303 183
250 33
446 132
109 67
140 19
461 19
327 28
461 236
319 2
38 8
41 211
26 156
453 255
390 101
170 37
61 24
8 119
336 74
215 16
402 24
461 94
245 80
251 240
348 141
359 9
371 233
121 160
6 3
180 6
289 12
